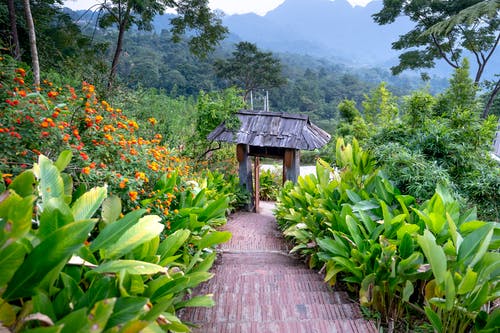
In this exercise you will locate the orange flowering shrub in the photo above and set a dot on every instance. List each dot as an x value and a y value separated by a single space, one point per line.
107 146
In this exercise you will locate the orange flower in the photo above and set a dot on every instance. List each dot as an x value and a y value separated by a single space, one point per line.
132 195
86 170
22 93
152 121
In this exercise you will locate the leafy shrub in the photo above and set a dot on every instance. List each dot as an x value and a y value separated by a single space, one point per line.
355 224
125 276
270 184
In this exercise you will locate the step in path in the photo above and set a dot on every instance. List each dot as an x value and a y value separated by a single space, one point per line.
259 287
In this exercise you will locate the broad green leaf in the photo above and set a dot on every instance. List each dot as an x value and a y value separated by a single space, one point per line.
68 187
206 264
455 236
172 243
449 290
175 325
51 183
206 301
63 160
56 248
474 245
407 291
187 281
7 313
470 226
56 214
215 209
143 231
101 313
86 205
352 225
101 288
468 282
333 247
17 213
214 238
43 304
157 309
129 266
407 229
11 258
112 232
75 322
434 319
127 309
24 183
434 254
111 209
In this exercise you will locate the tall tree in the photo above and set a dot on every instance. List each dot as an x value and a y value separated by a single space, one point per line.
205 26
444 30
32 38
13 29
250 69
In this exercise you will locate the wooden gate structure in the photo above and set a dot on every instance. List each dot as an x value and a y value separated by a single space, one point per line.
269 134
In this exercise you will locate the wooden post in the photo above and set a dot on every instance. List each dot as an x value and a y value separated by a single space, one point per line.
291 165
256 173
245 172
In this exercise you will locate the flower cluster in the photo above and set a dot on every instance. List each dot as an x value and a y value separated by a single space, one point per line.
108 147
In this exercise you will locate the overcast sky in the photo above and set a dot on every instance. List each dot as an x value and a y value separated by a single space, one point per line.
228 6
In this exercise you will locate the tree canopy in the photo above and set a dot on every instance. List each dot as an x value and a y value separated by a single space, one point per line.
250 69
205 26
446 30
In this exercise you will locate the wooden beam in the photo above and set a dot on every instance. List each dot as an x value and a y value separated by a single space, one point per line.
245 172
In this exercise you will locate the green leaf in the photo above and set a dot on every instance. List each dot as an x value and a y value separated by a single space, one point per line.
214 238
101 288
129 266
455 236
468 282
63 160
86 205
17 213
112 232
173 242
206 301
11 258
56 248
127 309
206 264
407 291
143 231
51 183
449 290
7 314
475 245
434 254
101 313
111 209
352 225
434 319
24 183
75 322
56 214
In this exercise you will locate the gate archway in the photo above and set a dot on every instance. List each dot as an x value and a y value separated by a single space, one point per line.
276 135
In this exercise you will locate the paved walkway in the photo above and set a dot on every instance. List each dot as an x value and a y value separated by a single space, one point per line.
258 287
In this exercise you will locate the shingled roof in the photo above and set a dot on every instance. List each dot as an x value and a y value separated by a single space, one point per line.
273 129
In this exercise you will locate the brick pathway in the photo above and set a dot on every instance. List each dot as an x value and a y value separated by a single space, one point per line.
258 287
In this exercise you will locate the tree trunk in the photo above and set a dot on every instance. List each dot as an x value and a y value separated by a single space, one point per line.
122 24
493 94
32 38
13 29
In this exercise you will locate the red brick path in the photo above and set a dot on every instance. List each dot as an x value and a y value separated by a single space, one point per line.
258 287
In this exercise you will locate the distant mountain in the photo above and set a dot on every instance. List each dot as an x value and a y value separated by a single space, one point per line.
333 29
